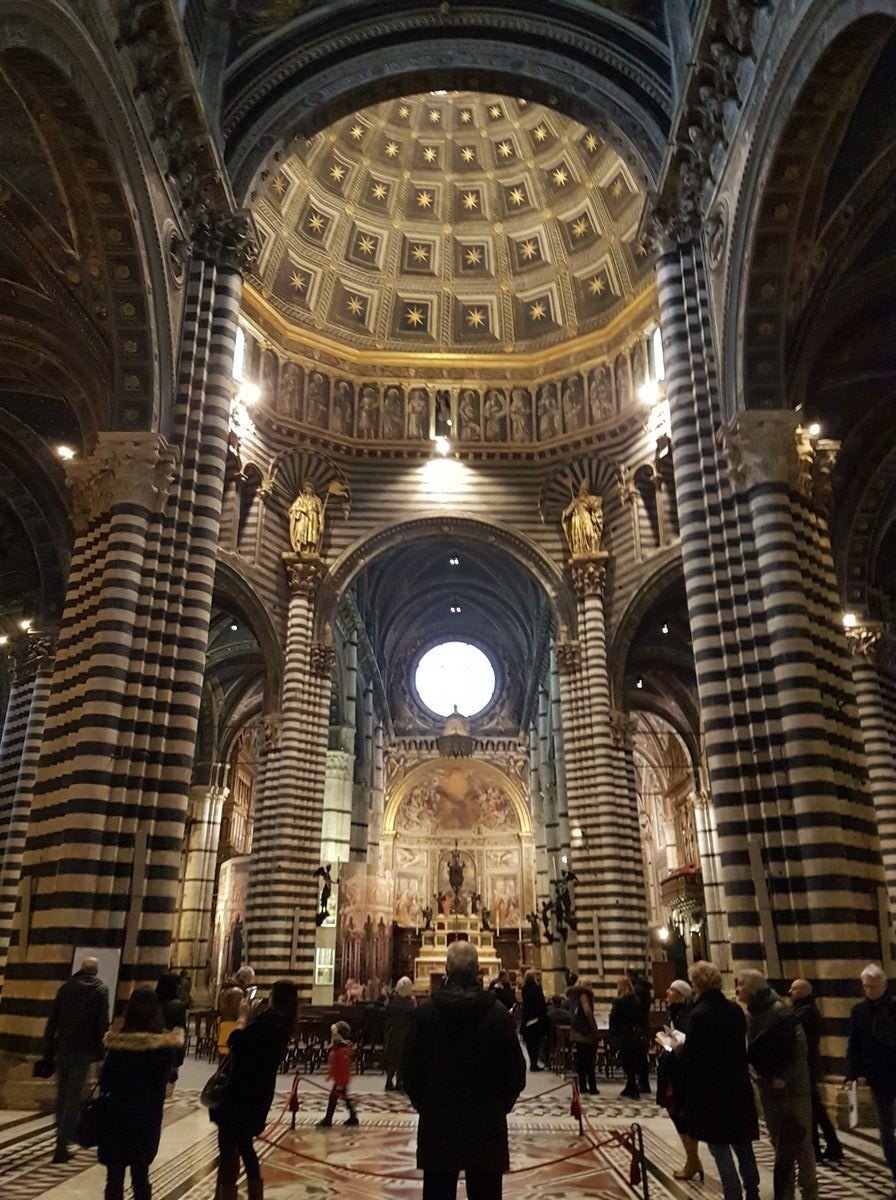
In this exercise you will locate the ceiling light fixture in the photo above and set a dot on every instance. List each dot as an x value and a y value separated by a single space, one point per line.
4 638
665 628
814 430
639 684
234 627
850 620
24 624
453 561
65 452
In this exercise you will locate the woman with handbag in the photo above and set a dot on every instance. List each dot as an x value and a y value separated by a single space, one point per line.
245 1082
139 1060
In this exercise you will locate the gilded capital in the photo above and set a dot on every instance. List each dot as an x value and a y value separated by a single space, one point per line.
867 642
123 469
304 573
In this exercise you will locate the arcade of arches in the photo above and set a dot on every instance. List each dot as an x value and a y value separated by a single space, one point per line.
328 339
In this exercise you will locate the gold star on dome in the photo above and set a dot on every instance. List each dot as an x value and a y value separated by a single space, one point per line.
465 116
404 112
315 222
391 149
596 285
537 310
505 149
517 196
378 191
337 172
279 185
471 201
560 177
495 112
434 116
298 281
467 153
355 306
420 253
529 249
430 154
540 133
580 227
366 244
590 142
414 316
357 132
473 256
475 318
617 188
424 199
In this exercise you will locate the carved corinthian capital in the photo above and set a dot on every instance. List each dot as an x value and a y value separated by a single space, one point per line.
589 574
870 643
764 447
304 573
124 468
568 656
622 729
322 659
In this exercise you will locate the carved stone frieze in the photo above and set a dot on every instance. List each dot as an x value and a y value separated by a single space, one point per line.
304 573
322 659
764 447
589 575
569 657
124 468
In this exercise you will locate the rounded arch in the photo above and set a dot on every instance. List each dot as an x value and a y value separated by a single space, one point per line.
113 188
764 232
487 771
232 586
592 66
516 545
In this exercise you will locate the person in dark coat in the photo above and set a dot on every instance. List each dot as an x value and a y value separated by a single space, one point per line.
256 1050
583 1034
535 1017
138 1062
73 1039
719 1105
399 1010
644 991
174 1012
871 1053
670 1078
627 1035
810 1018
502 989
463 1071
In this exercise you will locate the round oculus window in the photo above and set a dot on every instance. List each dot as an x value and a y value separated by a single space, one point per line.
455 675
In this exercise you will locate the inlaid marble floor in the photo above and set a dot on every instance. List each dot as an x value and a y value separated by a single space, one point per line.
375 1161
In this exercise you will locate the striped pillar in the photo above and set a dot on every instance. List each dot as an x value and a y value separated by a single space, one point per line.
23 728
103 851
610 900
717 934
872 656
798 853
286 843
193 921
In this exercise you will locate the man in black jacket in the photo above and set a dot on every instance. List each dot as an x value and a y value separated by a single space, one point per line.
810 1018
73 1039
871 1053
463 1070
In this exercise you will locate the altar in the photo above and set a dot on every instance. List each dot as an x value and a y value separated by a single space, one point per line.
436 940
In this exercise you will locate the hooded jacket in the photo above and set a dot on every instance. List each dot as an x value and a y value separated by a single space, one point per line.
79 1018
133 1077
463 1070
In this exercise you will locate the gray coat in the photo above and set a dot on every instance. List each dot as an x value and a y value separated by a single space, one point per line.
777 1052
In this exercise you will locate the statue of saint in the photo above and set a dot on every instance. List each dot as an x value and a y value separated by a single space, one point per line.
306 521
583 523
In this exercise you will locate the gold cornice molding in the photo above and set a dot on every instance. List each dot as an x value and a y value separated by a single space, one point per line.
602 343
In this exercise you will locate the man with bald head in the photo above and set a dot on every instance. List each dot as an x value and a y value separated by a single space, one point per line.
810 1018
73 1040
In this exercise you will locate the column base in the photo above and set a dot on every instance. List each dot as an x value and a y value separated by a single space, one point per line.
20 1090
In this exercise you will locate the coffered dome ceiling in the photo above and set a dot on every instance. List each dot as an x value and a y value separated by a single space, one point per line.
452 222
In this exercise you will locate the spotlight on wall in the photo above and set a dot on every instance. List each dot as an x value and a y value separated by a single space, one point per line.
814 430
639 684
665 628
455 608
4 638
649 392
663 934
850 620
234 627
24 624
454 561
443 446
65 452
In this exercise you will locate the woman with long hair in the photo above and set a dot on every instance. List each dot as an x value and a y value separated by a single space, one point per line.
139 1060
256 1049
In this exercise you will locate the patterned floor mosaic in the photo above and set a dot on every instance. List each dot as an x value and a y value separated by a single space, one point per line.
375 1161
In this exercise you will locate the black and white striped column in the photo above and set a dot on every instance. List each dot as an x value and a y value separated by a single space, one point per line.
286 844
23 728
